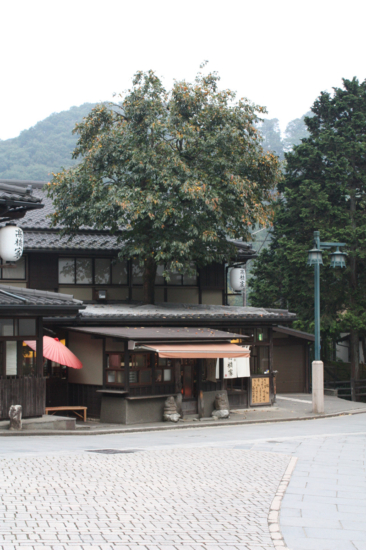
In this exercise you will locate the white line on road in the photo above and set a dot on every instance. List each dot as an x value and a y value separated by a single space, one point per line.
292 399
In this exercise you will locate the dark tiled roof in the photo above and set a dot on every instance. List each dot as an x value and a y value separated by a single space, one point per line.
50 240
36 223
18 194
160 333
25 297
38 219
168 312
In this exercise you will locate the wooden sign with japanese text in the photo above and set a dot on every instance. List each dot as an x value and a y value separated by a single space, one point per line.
260 391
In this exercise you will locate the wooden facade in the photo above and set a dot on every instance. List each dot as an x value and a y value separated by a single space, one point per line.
111 369
29 391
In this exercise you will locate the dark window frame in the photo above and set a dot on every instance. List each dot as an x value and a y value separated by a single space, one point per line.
16 280
167 284
133 368
111 259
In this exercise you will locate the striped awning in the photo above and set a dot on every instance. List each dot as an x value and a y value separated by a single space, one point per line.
197 351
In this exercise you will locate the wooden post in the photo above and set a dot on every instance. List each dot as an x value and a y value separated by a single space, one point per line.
39 347
306 366
104 364
152 365
199 375
127 368
199 287
200 402
271 375
177 375
223 383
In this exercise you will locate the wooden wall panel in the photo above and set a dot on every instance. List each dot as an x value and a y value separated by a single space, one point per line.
43 271
212 276
27 391
289 361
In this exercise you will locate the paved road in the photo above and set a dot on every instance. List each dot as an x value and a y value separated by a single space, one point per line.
192 470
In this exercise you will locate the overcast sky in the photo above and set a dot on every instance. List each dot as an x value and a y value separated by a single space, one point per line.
281 54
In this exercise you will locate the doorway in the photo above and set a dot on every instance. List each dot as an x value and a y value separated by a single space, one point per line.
189 385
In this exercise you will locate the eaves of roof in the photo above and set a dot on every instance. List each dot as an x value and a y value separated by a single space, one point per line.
203 320
30 301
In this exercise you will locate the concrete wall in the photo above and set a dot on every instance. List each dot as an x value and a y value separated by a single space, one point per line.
90 353
212 297
175 294
86 293
114 293
208 402
17 285
118 410
79 292
113 345
183 295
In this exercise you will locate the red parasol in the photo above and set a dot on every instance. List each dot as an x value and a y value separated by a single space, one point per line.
57 352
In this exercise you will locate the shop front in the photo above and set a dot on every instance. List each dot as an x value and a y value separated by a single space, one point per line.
22 380
144 366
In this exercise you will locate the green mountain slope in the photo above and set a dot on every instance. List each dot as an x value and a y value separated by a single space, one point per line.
42 149
47 146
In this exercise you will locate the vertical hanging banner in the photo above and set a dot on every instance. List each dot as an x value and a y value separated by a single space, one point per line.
230 370
243 367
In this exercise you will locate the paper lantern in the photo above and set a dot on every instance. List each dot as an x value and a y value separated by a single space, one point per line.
11 243
237 279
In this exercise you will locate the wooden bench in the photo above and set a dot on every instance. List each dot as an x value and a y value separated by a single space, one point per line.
53 410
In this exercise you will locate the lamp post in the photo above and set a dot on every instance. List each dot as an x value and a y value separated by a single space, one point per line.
315 258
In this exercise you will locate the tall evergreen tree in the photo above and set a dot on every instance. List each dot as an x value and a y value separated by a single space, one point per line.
324 188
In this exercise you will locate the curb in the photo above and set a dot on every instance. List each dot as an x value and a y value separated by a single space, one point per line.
274 511
210 424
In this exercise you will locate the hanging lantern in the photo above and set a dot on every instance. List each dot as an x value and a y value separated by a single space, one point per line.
11 243
315 257
237 279
338 258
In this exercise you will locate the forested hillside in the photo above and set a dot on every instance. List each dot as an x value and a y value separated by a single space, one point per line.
47 146
42 149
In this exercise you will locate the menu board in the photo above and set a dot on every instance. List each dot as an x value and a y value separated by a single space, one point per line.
260 390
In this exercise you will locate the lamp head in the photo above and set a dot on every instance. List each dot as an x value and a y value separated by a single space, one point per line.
338 258
315 257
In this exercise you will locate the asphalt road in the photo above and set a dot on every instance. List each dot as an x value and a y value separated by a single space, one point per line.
250 436
325 503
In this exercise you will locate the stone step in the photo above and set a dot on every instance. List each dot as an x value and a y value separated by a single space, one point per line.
190 416
45 422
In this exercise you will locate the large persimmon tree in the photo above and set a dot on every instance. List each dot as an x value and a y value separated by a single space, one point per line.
175 174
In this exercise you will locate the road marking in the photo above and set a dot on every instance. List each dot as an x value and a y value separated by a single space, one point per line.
292 399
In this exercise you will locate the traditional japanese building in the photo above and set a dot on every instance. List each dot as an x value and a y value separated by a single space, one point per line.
127 373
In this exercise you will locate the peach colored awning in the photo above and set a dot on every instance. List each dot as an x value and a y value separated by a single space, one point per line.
197 351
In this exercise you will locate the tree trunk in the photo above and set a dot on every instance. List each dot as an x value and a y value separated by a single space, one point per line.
363 340
149 280
354 334
355 361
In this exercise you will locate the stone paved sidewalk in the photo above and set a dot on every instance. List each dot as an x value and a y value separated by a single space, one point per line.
324 506
185 499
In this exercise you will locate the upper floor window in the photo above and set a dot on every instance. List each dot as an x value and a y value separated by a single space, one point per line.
15 271
176 279
17 327
88 271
